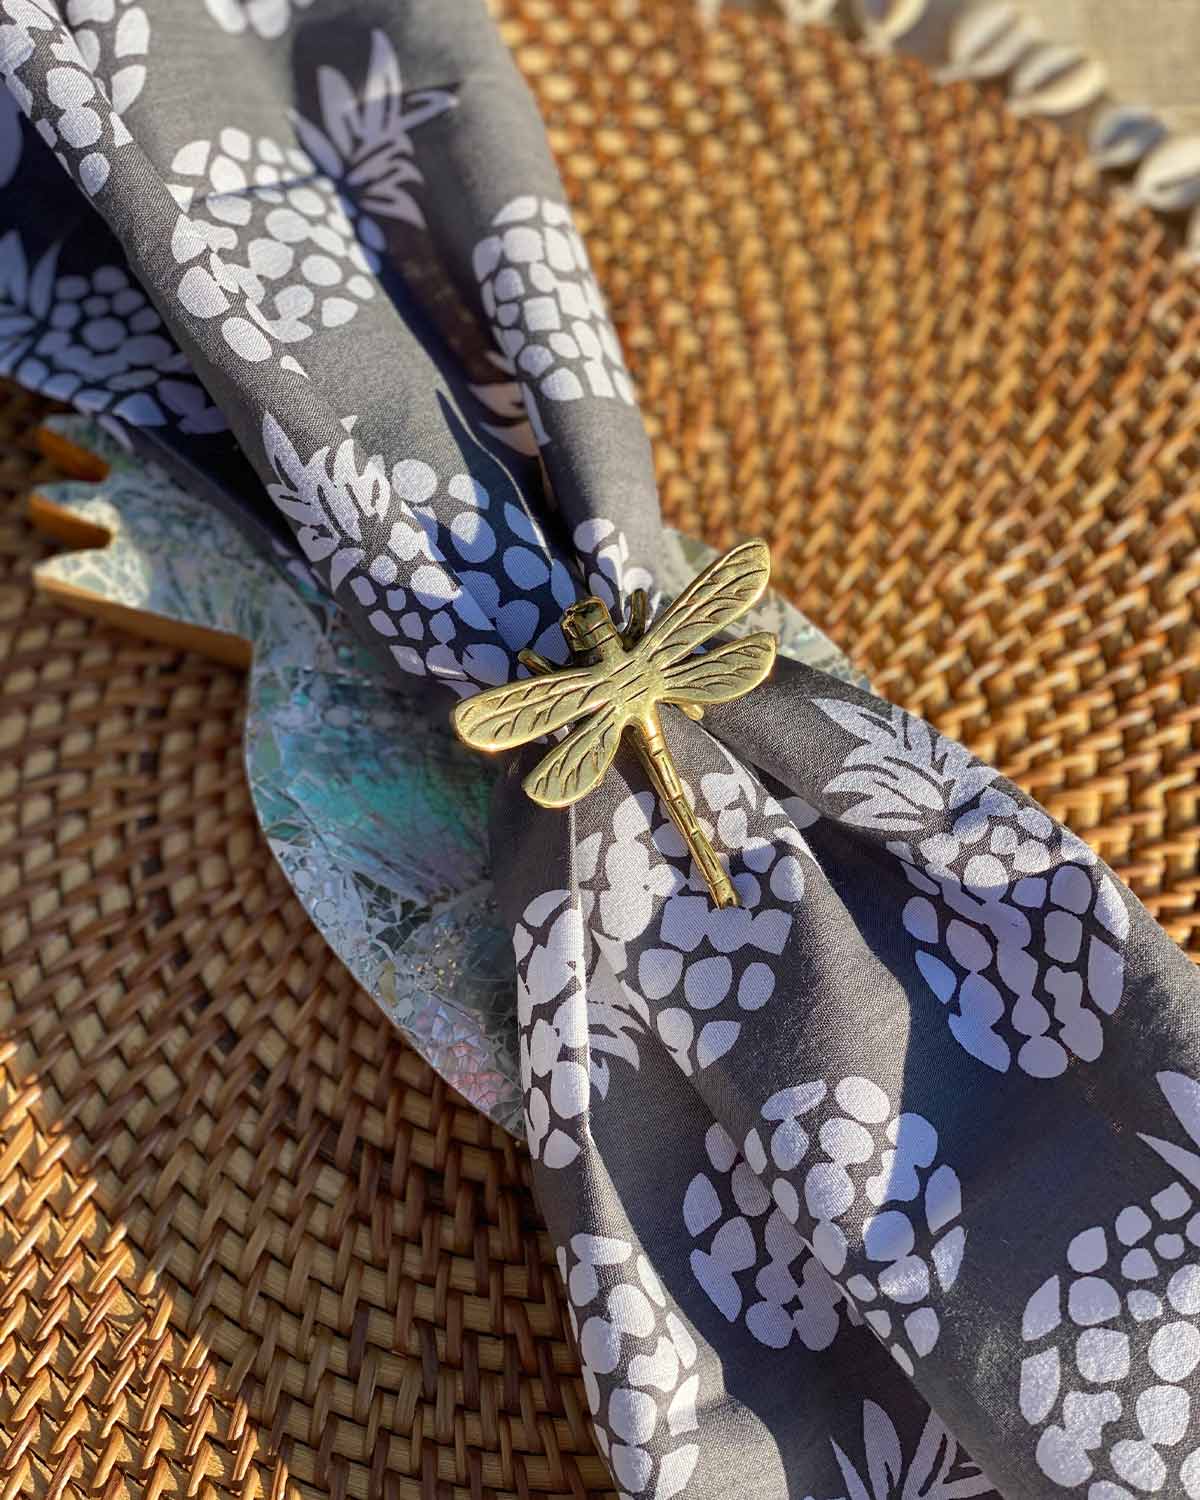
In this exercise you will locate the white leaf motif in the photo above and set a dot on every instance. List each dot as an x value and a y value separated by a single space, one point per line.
884 1460
855 1488
938 1469
1183 1095
903 770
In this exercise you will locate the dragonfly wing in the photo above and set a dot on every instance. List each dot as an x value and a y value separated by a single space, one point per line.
713 600
725 672
520 711
573 768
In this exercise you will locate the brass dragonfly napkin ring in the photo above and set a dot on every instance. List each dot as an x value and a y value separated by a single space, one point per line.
618 684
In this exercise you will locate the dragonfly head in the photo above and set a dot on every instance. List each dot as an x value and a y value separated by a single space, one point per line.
588 627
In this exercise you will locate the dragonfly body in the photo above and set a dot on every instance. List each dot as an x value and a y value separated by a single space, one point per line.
621 679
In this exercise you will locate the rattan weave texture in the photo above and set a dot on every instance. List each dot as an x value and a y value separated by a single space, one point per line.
249 1245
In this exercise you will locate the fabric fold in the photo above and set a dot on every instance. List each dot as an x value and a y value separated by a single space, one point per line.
885 1049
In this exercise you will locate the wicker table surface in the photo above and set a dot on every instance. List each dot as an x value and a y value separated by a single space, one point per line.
249 1244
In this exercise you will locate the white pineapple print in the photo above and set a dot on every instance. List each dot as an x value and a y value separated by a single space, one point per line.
572 1022
688 970
96 341
1114 1341
835 1174
639 1363
77 112
552 1013
281 240
546 310
756 1265
1019 929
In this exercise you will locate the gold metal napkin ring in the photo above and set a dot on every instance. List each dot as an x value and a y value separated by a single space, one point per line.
622 678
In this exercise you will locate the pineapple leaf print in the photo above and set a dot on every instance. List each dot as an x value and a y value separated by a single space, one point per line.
937 1469
1018 929
1183 1095
1113 1341
419 583
552 1013
363 140
902 771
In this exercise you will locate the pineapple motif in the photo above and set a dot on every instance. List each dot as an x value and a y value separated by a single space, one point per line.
1113 1341
638 1360
836 1175
546 310
687 969
790 1294
265 226
699 970
96 341
446 617
279 241
1019 929
88 78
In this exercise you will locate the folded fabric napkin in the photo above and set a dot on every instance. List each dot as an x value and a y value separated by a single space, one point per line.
878 1184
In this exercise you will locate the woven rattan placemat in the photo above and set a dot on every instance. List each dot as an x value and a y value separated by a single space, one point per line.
249 1245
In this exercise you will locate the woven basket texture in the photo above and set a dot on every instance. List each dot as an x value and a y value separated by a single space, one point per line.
249 1244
